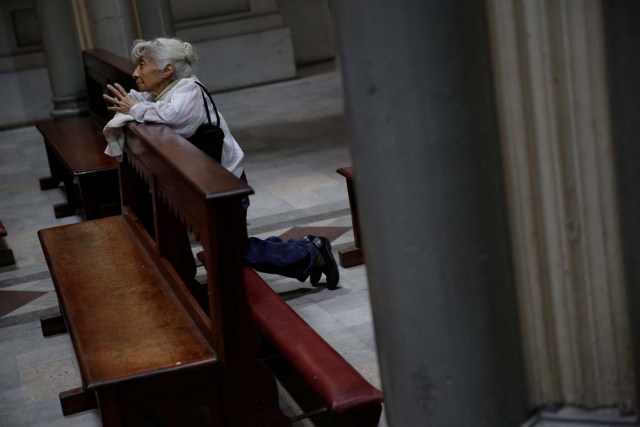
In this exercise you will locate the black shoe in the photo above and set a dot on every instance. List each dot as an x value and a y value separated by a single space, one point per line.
316 272
329 268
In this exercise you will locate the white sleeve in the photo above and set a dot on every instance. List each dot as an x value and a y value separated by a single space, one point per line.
140 96
182 111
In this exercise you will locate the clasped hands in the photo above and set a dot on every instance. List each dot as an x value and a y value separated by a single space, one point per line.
121 101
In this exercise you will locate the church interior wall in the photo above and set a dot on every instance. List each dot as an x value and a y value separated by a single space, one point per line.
261 41
23 76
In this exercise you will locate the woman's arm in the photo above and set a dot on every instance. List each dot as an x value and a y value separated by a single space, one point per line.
181 109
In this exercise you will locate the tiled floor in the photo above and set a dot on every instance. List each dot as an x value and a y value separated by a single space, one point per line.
295 138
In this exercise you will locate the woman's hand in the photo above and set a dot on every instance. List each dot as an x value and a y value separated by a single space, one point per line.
121 101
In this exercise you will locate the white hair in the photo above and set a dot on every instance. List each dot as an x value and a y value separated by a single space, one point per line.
165 51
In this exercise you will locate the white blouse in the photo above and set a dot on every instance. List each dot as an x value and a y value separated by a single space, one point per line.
181 108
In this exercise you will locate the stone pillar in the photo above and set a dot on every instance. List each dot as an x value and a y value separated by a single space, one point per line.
155 18
426 154
64 59
622 28
83 22
114 25
553 111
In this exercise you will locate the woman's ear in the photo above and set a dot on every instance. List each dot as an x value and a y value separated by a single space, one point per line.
168 71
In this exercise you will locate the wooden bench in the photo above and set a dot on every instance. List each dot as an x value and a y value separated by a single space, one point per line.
354 255
148 344
320 380
6 254
75 146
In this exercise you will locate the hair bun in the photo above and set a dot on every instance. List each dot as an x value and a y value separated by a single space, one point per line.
189 54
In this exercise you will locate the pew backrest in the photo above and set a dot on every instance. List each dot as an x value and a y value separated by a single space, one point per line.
101 68
169 187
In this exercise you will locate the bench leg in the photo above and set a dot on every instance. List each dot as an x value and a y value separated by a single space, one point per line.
56 168
6 257
111 411
73 203
59 173
351 257
48 183
366 417
77 400
100 194
62 210
53 324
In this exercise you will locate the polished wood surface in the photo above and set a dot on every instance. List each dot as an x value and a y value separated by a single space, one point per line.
121 312
78 143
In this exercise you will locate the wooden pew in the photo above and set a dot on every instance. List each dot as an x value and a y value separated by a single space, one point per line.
146 340
75 146
6 254
144 343
354 255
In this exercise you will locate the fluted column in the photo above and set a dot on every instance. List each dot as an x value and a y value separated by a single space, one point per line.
622 27
426 153
155 18
554 122
83 22
64 60
114 25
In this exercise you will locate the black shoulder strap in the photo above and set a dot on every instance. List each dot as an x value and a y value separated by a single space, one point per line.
204 90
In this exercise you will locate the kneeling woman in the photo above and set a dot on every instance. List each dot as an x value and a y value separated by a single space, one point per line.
168 92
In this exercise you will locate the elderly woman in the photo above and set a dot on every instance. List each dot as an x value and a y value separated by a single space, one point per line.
168 92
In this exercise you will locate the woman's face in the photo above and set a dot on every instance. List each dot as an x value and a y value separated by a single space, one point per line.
148 78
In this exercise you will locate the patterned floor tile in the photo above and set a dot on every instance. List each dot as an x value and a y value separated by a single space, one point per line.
12 300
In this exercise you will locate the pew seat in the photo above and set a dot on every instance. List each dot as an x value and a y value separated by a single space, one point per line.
127 326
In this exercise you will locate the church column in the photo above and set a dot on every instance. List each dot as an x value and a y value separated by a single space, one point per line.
114 25
551 87
426 155
62 52
83 22
622 28
155 18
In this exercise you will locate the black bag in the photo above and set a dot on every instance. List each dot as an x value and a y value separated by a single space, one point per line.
209 137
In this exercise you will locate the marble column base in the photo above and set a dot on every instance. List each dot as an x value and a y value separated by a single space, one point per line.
69 106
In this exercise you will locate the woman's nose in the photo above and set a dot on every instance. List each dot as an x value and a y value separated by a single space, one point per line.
135 73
